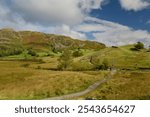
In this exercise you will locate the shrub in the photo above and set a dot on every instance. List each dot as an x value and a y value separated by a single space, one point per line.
77 53
105 64
32 52
10 51
17 51
114 46
65 60
99 64
139 46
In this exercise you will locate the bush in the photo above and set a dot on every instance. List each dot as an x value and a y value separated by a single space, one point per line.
139 46
99 64
65 60
17 51
10 51
77 53
105 64
114 46
32 52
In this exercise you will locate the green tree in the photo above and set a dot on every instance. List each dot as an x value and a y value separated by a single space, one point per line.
105 64
65 60
32 52
77 53
139 46
99 64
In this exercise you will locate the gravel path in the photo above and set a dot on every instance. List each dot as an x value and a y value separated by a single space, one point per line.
89 89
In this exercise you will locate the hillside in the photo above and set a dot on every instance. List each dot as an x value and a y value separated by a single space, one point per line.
28 58
12 42
120 57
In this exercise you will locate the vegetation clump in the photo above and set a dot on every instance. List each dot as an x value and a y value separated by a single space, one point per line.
32 52
10 51
138 46
65 60
77 53
99 64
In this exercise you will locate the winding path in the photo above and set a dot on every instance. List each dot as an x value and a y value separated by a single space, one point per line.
89 89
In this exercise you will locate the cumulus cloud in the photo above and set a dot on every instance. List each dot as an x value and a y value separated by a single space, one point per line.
67 17
112 33
68 31
51 16
48 12
87 5
134 5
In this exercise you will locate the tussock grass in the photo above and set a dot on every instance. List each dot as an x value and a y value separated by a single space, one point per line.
17 82
122 57
125 85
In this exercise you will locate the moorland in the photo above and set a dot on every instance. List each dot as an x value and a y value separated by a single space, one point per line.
36 65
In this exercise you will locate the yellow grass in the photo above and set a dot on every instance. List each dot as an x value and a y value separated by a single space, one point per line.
18 82
124 86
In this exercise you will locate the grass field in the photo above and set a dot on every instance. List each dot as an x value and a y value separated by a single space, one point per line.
125 85
23 80
27 76
38 78
122 57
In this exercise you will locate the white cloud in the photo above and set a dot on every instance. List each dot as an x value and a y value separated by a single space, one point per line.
54 11
123 37
134 5
48 11
112 33
95 24
73 18
68 31
51 16
87 5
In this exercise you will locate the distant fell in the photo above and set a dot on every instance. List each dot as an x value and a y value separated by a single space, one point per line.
38 41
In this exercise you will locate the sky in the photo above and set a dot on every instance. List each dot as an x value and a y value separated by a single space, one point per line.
112 22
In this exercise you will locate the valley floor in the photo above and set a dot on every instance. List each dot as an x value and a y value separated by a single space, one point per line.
23 80
33 80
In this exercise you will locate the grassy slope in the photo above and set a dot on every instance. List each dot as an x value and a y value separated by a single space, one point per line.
19 82
122 57
42 42
125 85
24 79
33 80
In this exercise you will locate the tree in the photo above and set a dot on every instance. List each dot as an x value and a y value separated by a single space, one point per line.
139 46
32 52
105 64
65 60
77 53
99 64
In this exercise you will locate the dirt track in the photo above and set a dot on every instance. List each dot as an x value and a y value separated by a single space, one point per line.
89 89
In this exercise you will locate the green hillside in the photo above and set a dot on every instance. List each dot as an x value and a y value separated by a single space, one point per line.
122 57
59 65
12 42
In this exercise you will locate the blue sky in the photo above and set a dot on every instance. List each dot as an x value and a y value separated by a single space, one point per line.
113 22
114 12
